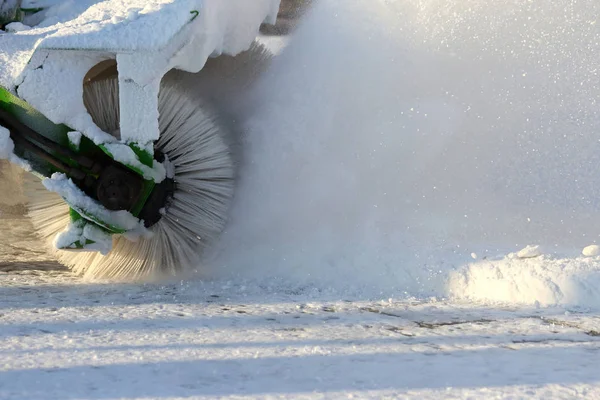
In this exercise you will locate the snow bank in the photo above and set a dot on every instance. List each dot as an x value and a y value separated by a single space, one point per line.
537 281
392 140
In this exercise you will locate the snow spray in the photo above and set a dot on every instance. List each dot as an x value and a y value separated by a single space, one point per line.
393 141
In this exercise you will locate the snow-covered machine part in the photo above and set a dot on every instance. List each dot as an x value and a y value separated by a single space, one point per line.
147 38
83 103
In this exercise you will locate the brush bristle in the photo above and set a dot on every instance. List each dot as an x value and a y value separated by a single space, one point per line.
204 173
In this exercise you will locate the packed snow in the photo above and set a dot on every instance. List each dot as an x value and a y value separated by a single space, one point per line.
415 219
65 339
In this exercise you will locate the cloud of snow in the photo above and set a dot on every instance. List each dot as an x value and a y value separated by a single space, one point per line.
392 139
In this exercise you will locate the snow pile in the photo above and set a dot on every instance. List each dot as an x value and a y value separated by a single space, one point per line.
392 140
544 281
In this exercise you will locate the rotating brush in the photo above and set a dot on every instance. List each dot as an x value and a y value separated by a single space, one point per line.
201 149
196 148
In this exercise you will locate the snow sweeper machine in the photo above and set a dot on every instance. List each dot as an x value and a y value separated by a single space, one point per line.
128 176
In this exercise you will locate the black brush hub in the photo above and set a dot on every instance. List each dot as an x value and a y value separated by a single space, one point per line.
100 177
158 202
118 189
159 199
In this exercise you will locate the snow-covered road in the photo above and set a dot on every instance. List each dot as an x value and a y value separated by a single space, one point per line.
64 339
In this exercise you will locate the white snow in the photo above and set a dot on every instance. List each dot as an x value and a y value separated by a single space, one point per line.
62 339
114 26
147 38
529 251
75 138
389 141
591 251
72 233
127 156
543 281
79 201
16 27
81 231
117 26
7 148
